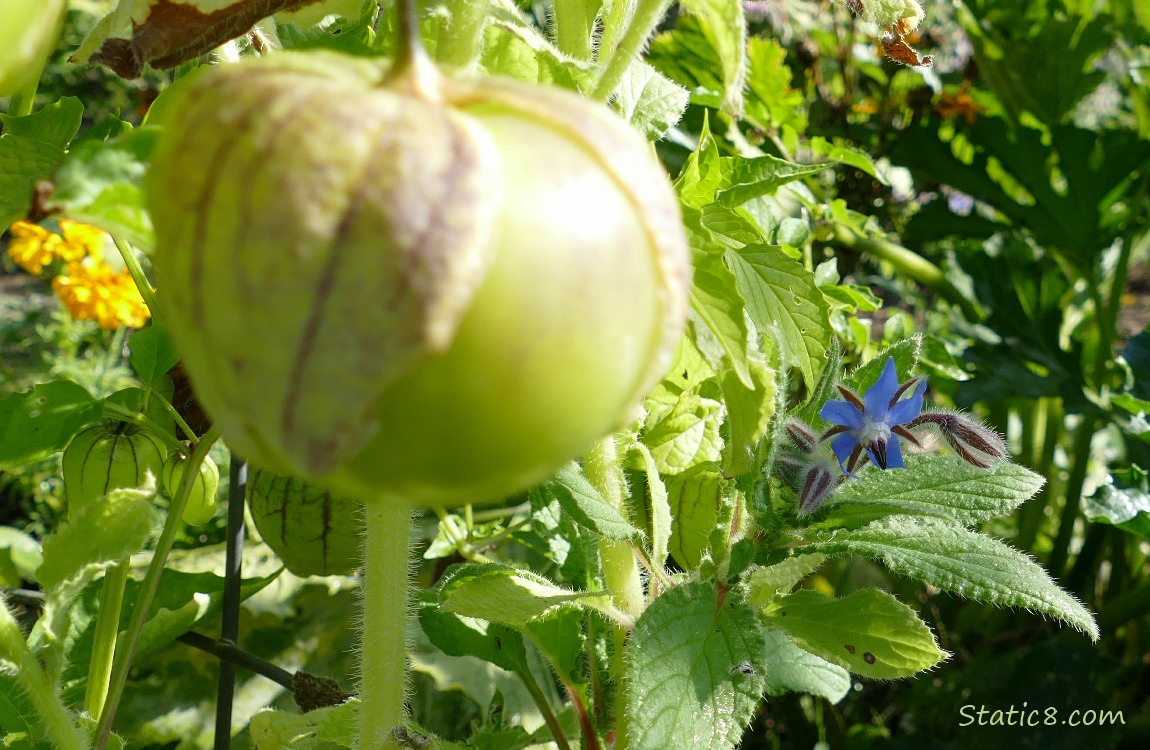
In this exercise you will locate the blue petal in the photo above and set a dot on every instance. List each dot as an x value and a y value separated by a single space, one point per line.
842 445
909 408
842 413
894 454
878 397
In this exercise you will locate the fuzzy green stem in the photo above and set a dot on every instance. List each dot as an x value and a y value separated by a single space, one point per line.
55 719
573 29
132 263
545 708
646 17
614 23
104 640
620 568
150 585
383 644
910 263
461 35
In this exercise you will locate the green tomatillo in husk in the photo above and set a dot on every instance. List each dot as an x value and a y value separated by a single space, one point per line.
109 455
313 531
432 289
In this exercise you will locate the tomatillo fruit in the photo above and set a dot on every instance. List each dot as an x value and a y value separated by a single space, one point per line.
109 455
428 289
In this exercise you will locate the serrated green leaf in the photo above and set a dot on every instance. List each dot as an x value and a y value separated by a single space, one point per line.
869 632
905 355
772 102
583 503
723 24
327 728
766 583
695 498
38 422
500 593
943 486
953 558
750 177
124 521
98 183
464 636
781 296
749 412
55 124
23 163
702 175
652 102
683 434
717 303
152 353
844 153
683 669
514 47
789 668
559 636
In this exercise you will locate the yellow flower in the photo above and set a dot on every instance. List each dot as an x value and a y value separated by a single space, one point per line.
92 290
33 247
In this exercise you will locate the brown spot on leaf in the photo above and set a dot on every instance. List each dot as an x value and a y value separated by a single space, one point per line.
850 649
868 657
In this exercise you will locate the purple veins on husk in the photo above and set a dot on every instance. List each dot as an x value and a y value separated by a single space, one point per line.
973 441
871 426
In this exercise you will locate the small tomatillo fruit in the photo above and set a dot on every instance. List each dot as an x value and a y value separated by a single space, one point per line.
416 287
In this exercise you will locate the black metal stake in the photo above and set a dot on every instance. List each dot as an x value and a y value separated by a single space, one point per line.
230 629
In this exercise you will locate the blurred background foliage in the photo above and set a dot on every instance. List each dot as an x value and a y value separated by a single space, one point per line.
1008 224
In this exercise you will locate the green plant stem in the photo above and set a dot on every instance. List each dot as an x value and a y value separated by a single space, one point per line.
55 720
908 262
141 420
150 585
20 105
132 263
383 644
104 640
646 17
1031 514
614 23
1080 458
573 29
461 36
544 708
620 568
1132 606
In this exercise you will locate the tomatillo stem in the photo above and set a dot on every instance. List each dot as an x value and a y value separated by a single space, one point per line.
383 655
150 585
104 641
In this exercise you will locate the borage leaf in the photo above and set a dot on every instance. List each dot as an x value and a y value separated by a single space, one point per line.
952 558
869 632
690 670
943 486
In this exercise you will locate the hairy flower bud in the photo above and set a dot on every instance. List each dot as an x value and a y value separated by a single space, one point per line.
438 292
972 440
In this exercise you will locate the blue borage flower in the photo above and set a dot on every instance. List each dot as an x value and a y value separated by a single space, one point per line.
871 425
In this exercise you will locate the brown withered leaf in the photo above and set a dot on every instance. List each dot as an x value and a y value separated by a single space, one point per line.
896 48
174 32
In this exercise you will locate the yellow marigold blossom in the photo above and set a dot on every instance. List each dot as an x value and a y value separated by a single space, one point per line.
92 290
33 247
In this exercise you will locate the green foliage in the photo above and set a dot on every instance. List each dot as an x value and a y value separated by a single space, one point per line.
983 224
